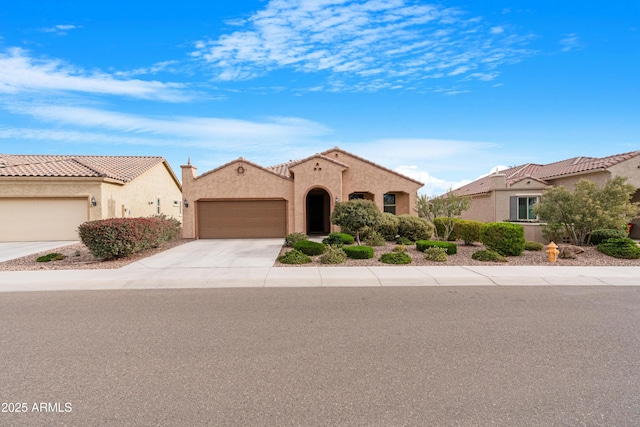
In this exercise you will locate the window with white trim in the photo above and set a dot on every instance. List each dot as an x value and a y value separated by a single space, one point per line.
525 208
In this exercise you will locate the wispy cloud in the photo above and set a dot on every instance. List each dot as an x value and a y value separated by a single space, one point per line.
21 73
362 44
61 29
570 42
433 186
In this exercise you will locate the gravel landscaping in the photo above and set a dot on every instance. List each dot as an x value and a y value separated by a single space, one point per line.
77 257
590 257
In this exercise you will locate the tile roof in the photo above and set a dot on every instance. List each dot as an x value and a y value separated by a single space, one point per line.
121 168
547 172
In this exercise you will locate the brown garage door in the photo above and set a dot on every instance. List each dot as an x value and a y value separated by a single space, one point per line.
242 219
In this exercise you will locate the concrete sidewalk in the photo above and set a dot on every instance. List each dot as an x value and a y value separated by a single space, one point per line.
140 276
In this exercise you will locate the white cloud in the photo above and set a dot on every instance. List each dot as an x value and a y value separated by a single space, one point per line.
20 73
61 29
360 41
432 186
570 42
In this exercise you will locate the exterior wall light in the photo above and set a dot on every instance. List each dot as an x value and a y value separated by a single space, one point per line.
186 203
93 201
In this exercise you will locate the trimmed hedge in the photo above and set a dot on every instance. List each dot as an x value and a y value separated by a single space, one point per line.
121 237
358 252
309 247
533 246
467 230
451 248
506 238
395 258
294 256
438 224
600 235
388 228
414 228
620 248
488 255
338 239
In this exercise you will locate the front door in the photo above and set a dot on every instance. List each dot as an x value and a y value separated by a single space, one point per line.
318 212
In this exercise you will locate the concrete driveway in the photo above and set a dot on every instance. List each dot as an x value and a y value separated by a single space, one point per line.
13 250
212 253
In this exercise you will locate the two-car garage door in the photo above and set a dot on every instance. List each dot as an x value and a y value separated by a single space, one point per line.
242 219
41 219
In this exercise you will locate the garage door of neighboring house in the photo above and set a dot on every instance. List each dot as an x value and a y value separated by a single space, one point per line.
242 219
41 219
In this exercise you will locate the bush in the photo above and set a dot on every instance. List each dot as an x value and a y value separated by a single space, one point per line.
435 253
358 252
620 248
404 241
356 216
488 255
414 228
338 239
503 237
467 230
375 239
443 228
388 228
399 248
309 247
533 246
395 258
51 257
555 232
333 255
422 245
293 238
600 235
121 237
294 256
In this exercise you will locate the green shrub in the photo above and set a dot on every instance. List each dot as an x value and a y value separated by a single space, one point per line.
309 247
395 258
399 248
375 239
121 237
533 246
388 228
506 238
435 253
620 248
293 238
467 230
599 236
488 255
555 232
451 248
338 239
404 241
358 252
294 256
414 228
442 225
333 255
51 257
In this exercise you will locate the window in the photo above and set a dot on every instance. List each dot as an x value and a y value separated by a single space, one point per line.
356 196
390 203
525 208
158 200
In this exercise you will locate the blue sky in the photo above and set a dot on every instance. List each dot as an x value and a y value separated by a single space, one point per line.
441 91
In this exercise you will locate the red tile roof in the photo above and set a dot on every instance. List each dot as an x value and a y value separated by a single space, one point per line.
121 168
547 172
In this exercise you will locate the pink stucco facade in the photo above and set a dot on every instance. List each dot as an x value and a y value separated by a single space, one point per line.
310 188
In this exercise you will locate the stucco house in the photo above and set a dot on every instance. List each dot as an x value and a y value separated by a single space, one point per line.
46 197
241 199
511 194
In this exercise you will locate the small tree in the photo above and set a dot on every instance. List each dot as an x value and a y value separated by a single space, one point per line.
448 206
356 216
589 207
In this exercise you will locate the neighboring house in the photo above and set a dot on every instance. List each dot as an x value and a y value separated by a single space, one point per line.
46 197
511 194
241 199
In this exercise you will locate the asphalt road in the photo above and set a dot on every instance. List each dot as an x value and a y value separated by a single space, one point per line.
433 356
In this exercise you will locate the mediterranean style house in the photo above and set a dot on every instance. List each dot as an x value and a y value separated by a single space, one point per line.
511 194
46 197
241 199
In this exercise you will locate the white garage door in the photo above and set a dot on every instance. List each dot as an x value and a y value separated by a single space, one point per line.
28 220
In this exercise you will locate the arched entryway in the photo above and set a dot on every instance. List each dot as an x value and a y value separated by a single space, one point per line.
318 205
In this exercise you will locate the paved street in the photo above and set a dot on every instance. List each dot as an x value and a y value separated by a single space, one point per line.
463 356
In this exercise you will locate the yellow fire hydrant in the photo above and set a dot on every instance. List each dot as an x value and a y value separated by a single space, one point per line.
552 252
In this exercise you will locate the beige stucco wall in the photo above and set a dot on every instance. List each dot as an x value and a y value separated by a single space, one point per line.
227 183
316 172
363 176
482 208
